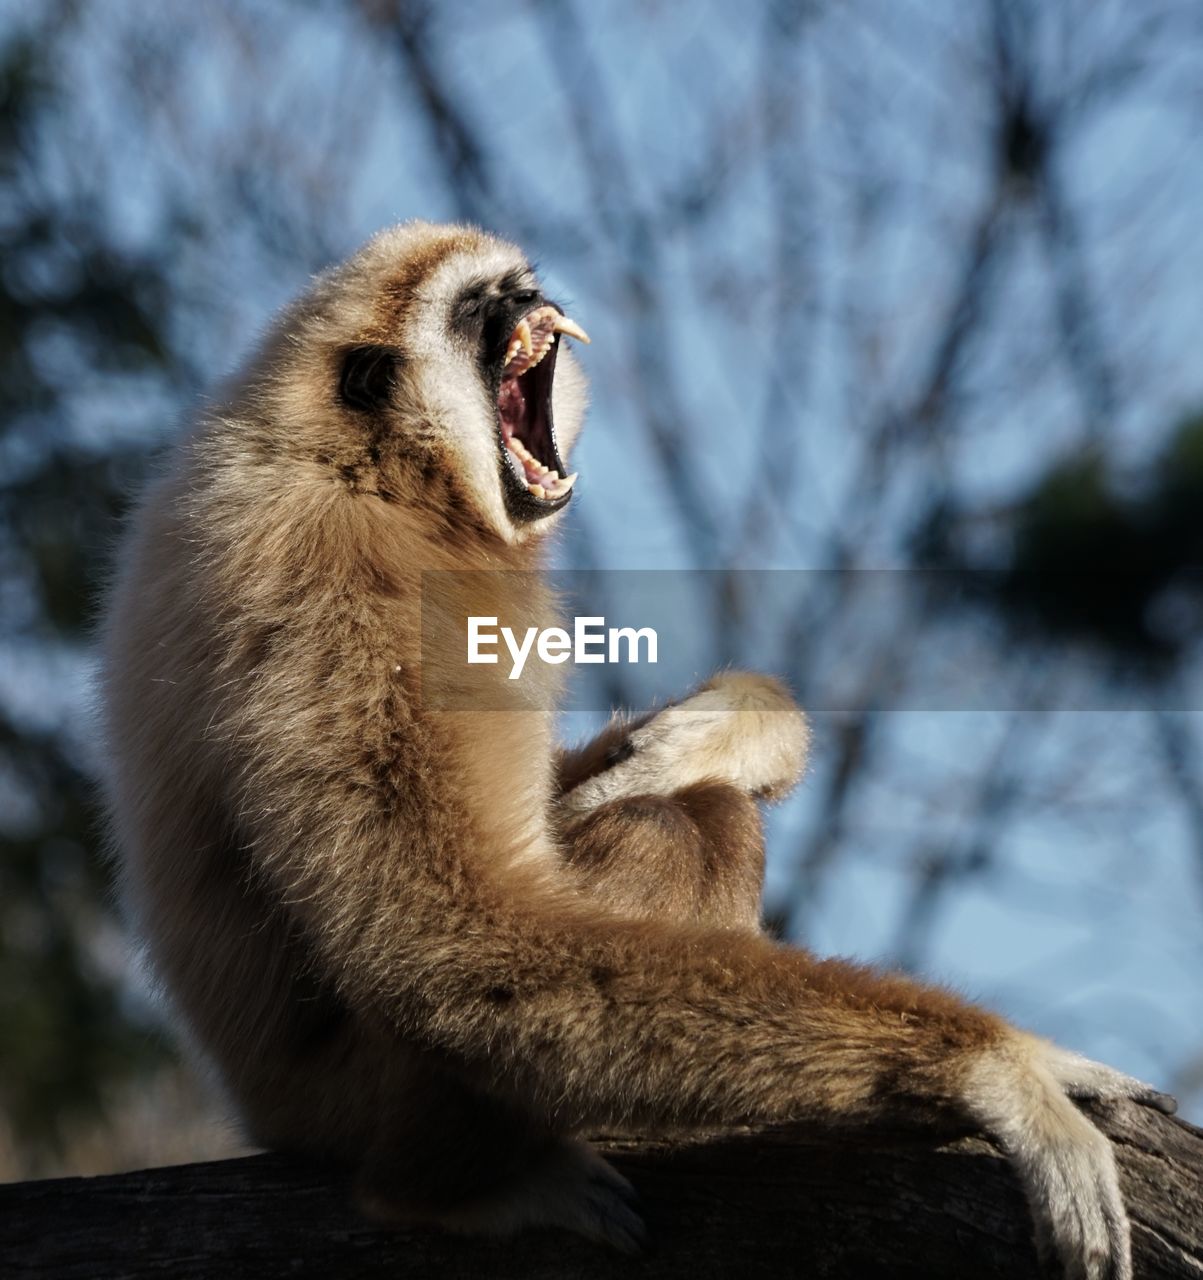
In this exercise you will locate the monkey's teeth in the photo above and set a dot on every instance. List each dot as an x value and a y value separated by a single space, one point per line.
541 480
563 325
535 335
532 338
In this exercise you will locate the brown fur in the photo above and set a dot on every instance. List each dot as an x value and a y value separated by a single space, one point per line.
699 854
374 916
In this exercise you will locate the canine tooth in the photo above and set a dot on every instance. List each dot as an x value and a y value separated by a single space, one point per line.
568 482
537 490
571 328
522 333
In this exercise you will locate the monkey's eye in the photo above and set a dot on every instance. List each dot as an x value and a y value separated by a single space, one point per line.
525 298
368 376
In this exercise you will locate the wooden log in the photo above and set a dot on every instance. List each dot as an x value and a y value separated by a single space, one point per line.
775 1203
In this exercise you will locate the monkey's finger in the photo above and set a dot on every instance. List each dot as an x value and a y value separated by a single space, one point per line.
1081 1227
618 1214
1166 1103
1113 1088
1083 1078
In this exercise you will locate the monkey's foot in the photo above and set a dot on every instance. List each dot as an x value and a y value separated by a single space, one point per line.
569 1186
739 728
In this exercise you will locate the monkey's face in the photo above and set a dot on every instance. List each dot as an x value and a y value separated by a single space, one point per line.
464 372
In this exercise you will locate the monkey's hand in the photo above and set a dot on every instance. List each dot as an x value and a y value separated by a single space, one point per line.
739 728
1020 1094
1083 1078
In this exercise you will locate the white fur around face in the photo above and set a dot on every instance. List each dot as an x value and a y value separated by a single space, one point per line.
445 379
447 383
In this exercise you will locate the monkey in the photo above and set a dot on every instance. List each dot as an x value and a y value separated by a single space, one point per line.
409 934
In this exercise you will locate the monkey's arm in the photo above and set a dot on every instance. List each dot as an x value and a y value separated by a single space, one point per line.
657 816
603 1019
608 748
656 843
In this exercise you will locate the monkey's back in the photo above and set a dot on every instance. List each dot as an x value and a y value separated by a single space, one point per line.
236 974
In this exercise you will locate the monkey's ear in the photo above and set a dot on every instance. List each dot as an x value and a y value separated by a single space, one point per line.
368 376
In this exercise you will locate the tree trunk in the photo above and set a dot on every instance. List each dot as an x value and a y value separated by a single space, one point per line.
773 1203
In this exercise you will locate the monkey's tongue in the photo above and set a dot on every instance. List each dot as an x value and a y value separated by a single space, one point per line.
541 480
523 400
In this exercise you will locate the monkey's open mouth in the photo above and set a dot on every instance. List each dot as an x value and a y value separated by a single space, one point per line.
533 471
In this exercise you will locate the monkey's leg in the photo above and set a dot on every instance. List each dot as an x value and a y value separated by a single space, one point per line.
658 816
449 1155
697 854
